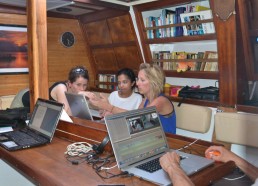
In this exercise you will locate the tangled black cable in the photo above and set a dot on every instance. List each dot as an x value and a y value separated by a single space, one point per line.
75 160
78 153
102 165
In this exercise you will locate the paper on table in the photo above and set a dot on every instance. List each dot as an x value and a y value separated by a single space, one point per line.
66 117
5 129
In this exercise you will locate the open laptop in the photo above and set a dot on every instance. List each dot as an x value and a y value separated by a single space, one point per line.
137 137
79 106
39 131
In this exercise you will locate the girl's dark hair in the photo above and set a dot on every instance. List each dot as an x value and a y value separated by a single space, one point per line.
129 73
76 72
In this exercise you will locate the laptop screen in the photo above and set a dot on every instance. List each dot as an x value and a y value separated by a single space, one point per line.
79 106
45 117
136 135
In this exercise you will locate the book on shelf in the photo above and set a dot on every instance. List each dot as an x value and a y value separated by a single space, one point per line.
103 78
195 8
167 17
179 31
177 62
198 28
161 55
211 65
205 56
198 8
184 65
150 22
189 65
199 63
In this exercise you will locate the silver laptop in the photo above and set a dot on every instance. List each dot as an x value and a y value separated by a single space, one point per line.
40 130
79 106
137 137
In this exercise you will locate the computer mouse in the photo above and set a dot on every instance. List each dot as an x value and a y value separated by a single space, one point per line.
212 153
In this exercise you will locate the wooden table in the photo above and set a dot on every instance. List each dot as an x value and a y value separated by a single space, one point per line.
47 165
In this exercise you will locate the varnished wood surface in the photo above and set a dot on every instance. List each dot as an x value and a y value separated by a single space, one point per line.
47 165
113 43
37 50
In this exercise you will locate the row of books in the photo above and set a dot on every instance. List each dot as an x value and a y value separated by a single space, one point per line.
188 13
187 65
197 28
107 78
175 55
166 17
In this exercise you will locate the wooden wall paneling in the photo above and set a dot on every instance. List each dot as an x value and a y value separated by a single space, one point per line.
226 43
11 84
13 19
89 56
128 56
62 59
136 42
105 59
102 15
120 29
97 33
12 9
113 43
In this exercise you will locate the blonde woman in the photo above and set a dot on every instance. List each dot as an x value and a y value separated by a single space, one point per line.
150 84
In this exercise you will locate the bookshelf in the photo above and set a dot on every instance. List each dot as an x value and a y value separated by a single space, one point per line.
107 81
154 38
170 35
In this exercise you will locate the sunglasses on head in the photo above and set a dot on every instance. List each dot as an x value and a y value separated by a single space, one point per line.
79 70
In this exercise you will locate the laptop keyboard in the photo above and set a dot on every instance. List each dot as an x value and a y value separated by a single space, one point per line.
27 138
150 166
153 165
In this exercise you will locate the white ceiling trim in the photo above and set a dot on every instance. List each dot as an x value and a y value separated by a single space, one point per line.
128 4
51 4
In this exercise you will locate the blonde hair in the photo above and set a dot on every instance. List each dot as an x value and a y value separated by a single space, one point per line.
156 77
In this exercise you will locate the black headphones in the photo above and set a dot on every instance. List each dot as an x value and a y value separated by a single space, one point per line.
100 148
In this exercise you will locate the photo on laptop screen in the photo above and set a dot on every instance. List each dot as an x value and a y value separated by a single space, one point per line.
142 122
